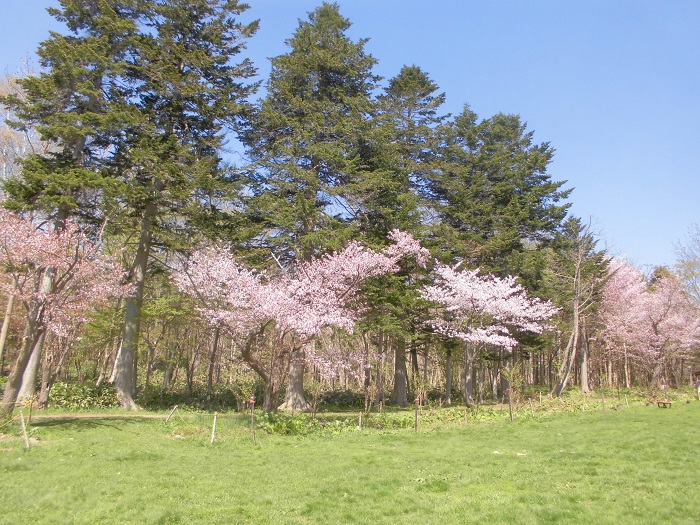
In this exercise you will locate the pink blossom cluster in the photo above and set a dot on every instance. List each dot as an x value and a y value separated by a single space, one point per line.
316 295
648 323
404 244
484 309
79 276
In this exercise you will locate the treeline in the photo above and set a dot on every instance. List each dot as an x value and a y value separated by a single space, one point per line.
130 118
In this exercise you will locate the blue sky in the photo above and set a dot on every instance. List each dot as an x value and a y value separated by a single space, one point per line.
613 85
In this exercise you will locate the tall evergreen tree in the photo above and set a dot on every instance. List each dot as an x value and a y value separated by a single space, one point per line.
306 136
409 116
494 193
138 97
306 141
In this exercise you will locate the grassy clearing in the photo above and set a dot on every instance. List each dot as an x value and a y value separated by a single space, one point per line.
637 465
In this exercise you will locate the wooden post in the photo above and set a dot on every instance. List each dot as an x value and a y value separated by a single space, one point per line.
417 401
252 419
171 413
360 421
510 404
532 410
24 430
627 401
213 429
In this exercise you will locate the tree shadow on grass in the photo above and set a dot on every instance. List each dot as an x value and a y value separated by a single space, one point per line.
78 424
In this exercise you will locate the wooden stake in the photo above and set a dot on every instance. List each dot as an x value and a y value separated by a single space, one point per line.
24 430
252 419
213 429
416 425
360 420
171 413
532 410
627 401
510 406
602 396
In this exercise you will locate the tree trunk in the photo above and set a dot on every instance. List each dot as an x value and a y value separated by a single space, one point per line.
14 381
271 397
415 368
569 354
583 363
125 377
5 329
399 395
212 364
381 357
468 374
27 390
448 378
49 374
294 399
168 375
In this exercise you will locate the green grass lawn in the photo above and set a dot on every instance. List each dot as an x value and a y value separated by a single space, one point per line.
636 466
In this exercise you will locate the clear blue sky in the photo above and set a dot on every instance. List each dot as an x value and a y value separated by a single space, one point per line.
613 85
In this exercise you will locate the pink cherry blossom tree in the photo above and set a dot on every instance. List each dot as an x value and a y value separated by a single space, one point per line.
57 277
655 325
277 314
483 311
622 313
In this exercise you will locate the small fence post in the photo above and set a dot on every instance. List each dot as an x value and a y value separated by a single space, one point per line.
252 418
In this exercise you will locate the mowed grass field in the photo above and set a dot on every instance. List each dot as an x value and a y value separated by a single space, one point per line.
630 466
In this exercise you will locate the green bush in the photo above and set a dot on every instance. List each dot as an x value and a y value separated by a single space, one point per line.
303 424
82 396
342 399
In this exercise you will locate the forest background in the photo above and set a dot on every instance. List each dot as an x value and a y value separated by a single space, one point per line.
117 146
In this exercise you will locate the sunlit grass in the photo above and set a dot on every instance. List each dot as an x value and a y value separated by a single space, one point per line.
636 465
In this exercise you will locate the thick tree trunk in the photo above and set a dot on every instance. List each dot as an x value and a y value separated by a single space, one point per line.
399 395
49 374
415 368
271 396
5 329
294 399
448 378
125 377
381 357
14 381
28 389
468 375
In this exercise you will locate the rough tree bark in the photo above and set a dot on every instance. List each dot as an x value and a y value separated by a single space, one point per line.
124 376
399 395
468 374
448 378
5 328
294 399
32 331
